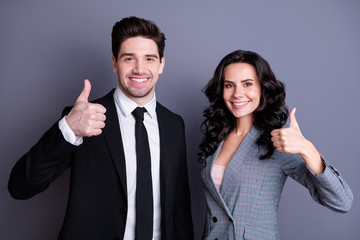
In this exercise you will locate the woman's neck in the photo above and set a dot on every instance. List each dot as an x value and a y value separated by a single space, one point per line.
243 126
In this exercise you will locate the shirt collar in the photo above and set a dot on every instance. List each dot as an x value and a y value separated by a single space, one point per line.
127 105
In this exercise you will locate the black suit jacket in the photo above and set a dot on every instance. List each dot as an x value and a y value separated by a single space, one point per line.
97 204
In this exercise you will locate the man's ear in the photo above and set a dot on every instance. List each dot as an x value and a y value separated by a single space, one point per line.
114 65
162 65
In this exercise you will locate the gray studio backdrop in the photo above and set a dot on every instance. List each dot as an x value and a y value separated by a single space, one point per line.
47 48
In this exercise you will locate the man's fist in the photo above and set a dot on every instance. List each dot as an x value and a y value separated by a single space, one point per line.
86 119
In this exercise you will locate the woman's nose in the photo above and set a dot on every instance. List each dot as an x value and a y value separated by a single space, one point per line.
238 92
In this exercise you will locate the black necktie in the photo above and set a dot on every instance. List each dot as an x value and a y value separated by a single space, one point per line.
144 195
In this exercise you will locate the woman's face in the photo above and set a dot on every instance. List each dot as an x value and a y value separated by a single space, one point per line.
242 90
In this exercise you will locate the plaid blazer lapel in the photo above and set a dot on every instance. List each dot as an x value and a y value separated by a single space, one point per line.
245 150
210 185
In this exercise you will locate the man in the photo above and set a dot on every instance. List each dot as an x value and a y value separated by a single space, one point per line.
109 198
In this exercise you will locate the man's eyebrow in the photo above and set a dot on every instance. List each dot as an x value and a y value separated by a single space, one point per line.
127 54
152 55
133 54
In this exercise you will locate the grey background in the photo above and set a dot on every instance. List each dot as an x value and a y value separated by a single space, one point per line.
47 48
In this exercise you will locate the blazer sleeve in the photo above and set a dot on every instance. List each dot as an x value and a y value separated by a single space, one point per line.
45 161
328 189
182 216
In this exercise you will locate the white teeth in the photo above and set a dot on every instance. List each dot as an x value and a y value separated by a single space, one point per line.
240 104
139 80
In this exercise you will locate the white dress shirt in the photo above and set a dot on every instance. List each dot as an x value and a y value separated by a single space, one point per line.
124 107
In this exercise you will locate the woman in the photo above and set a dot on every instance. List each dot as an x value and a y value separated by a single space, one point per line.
247 154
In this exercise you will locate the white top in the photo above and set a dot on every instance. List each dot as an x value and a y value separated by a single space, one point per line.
124 107
217 175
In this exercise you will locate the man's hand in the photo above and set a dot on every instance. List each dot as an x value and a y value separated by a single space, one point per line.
86 119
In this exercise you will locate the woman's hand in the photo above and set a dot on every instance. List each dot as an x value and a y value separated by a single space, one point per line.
290 140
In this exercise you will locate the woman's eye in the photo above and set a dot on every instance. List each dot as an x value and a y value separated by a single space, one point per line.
247 84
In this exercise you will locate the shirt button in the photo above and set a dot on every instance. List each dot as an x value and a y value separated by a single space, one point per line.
214 219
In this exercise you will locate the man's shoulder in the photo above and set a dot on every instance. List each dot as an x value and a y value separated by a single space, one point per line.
106 99
160 109
168 117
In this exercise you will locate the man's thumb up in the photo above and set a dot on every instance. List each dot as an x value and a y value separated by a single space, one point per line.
86 119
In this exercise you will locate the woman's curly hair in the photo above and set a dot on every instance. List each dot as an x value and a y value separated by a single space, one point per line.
272 112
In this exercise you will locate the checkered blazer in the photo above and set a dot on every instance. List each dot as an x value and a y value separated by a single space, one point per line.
246 206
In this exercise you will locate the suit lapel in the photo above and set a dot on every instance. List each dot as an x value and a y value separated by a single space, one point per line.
163 164
164 131
113 139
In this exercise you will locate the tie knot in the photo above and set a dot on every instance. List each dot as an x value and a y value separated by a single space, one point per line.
139 113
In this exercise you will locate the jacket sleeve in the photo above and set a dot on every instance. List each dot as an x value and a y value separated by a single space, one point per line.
328 188
45 161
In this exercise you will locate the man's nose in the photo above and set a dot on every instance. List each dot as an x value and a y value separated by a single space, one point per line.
139 67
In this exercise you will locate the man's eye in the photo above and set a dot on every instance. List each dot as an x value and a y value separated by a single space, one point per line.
150 59
128 59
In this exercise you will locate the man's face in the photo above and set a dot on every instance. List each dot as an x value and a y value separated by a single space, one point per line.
138 68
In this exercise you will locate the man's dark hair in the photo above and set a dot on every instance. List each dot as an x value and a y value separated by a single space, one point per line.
133 27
